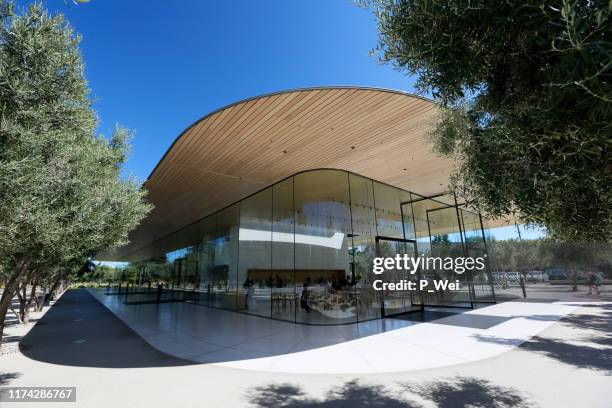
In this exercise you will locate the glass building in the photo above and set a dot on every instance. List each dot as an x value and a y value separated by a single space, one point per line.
301 249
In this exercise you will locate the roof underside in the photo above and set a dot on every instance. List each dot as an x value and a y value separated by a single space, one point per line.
248 146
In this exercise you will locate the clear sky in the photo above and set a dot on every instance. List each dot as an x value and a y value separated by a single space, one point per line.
158 66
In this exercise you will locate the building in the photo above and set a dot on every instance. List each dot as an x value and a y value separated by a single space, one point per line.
277 205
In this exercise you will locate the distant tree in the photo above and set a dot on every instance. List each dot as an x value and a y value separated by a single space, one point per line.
526 94
539 254
99 275
61 195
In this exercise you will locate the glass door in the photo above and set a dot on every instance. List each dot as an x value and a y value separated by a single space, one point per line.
475 247
394 302
446 241
177 281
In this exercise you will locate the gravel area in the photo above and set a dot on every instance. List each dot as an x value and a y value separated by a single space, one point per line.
14 332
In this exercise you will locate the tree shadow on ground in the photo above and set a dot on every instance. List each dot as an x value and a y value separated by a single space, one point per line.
594 327
351 394
580 356
5 378
445 393
469 392
10 339
601 322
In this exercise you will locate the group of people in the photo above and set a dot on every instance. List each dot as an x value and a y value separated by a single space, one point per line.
594 280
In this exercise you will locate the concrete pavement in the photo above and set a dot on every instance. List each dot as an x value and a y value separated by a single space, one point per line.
566 365
401 344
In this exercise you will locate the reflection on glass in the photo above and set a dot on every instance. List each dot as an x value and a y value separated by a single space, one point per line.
364 246
389 220
283 296
398 301
325 281
446 242
225 268
254 274
302 251
476 247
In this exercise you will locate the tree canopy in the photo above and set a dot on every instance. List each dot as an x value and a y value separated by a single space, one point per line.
62 197
525 89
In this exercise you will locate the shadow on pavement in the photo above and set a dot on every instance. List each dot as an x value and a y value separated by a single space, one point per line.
576 355
468 392
5 378
580 348
445 393
82 332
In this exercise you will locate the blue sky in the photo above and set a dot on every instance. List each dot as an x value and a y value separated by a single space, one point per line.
158 66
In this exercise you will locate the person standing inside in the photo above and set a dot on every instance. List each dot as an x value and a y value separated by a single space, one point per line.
248 299
591 282
597 281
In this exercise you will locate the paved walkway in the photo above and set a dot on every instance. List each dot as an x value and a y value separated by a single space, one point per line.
228 339
567 365
79 331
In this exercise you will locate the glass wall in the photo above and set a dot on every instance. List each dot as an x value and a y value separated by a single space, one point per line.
324 276
302 251
283 298
255 255
363 250
475 246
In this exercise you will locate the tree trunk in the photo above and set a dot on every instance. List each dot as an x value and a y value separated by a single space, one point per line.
53 289
57 289
40 301
25 302
29 301
9 290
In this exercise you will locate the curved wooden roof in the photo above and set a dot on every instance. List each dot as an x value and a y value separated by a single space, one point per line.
247 146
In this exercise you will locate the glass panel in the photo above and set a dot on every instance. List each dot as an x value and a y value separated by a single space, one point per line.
183 268
162 279
503 246
323 273
389 220
398 301
475 247
446 242
419 207
207 262
284 299
225 268
364 246
155 271
255 251
176 259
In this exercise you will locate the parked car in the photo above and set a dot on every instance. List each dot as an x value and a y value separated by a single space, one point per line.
536 276
557 274
513 277
505 279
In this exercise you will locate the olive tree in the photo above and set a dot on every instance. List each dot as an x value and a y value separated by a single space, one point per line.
525 89
62 197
